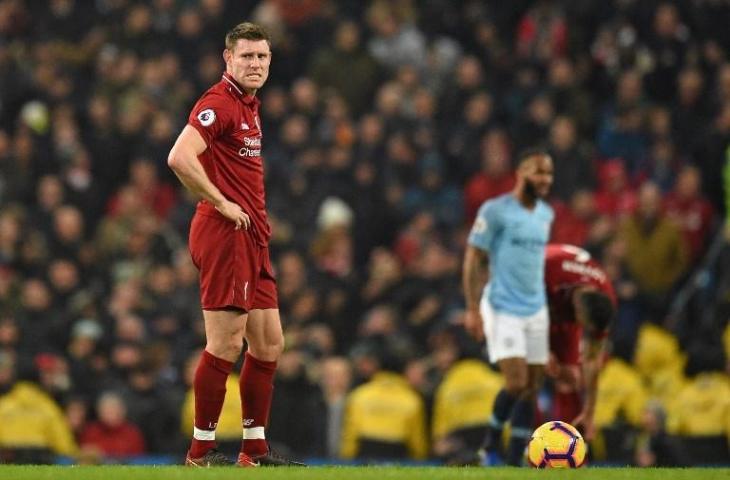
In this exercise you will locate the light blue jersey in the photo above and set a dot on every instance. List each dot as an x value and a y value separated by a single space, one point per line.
515 239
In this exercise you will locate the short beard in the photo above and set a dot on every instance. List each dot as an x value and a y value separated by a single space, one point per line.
530 191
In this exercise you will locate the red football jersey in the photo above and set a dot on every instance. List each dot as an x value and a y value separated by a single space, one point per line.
228 120
566 268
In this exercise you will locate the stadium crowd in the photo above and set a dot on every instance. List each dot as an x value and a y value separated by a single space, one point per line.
386 125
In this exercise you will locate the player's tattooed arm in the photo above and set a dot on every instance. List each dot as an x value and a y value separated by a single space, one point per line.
475 275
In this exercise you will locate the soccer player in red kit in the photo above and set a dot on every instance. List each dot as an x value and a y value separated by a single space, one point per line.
582 305
218 157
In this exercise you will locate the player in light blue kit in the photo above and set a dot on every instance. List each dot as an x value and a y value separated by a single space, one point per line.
504 289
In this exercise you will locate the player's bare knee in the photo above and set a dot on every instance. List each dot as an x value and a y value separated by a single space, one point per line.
268 351
272 352
235 346
279 347
512 390
265 354
275 351
516 386
229 349
529 392
223 351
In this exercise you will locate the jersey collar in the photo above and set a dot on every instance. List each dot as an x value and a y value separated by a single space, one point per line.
238 90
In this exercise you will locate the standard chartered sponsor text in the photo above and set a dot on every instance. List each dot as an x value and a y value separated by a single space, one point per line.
251 148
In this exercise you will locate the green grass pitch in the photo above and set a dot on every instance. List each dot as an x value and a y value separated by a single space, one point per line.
13 472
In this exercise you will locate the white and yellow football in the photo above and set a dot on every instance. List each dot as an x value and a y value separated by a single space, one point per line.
556 444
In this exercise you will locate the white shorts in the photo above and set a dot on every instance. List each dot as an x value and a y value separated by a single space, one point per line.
510 336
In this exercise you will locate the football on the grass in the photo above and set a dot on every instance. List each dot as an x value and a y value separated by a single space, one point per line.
556 445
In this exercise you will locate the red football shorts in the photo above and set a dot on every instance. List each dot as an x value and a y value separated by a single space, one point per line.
235 272
565 340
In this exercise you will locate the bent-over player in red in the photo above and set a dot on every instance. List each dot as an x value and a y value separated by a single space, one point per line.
218 157
582 305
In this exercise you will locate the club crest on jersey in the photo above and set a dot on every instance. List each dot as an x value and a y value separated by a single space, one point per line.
480 226
206 117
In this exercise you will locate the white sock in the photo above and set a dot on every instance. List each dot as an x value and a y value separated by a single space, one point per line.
255 433
199 434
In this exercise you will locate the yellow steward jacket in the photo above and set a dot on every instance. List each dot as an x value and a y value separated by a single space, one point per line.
385 409
620 393
465 396
660 362
702 407
30 418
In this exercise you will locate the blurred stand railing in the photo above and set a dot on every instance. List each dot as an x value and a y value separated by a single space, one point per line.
694 305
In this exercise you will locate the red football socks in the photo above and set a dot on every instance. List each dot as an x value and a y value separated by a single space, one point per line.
257 388
209 387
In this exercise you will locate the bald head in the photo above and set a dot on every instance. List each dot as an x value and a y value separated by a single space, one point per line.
650 201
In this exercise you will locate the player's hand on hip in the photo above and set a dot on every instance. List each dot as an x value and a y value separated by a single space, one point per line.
233 212
473 324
